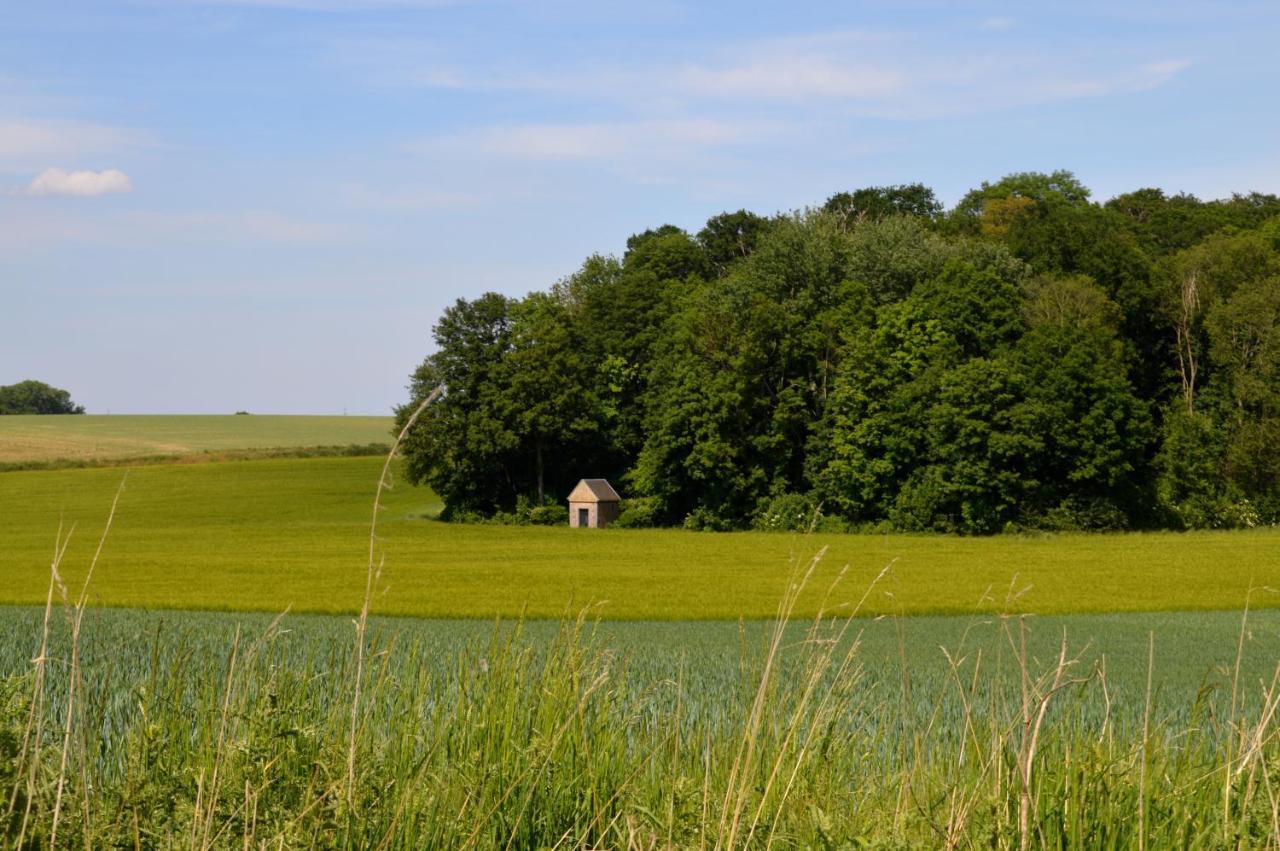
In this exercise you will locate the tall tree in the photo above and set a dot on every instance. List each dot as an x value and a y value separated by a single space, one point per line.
730 237
464 447
879 202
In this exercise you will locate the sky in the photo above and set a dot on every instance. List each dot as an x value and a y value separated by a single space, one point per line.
218 205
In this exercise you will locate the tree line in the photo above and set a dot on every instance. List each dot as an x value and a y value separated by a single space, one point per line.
1030 358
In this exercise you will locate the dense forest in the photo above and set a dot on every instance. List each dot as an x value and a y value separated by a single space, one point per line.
1030 358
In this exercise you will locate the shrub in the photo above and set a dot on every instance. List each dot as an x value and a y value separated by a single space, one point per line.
638 513
1080 514
549 515
706 520
788 512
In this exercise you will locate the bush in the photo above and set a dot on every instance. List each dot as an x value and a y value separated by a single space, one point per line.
706 520
639 513
788 512
1079 514
831 525
549 515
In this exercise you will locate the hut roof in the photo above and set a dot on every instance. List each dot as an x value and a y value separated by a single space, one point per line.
594 490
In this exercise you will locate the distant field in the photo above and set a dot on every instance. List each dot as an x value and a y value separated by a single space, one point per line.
264 535
120 437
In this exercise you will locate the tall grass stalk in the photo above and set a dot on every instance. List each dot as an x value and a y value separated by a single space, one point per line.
372 574
76 614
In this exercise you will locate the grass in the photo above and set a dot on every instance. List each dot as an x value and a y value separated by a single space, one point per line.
266 535
217 731
96 438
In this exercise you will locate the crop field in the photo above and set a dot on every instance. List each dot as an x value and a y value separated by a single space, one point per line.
266 535
229 730
91 437
1193 650
674 713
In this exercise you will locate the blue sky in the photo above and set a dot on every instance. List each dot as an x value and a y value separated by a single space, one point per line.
214 205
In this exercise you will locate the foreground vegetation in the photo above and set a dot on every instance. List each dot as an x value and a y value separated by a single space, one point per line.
117 437
209 733
265 535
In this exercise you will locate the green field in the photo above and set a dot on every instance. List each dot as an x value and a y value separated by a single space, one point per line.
1192 649
270 534
120 437
637 735
229 729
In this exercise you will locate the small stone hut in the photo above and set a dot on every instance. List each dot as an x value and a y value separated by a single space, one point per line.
593 504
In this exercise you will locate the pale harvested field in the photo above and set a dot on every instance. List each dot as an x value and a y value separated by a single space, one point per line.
122 437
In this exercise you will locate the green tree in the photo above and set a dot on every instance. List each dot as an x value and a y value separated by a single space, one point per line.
877 428
879 202
36 397
984 441
1191 484
548 398
668 253
464 446
1244 337
1097 431
744 374
729 237
1037 187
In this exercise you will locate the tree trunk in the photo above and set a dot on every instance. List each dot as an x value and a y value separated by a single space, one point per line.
1186 338
540 490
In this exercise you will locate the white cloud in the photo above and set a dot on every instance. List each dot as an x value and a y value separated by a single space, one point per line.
997 24
58 181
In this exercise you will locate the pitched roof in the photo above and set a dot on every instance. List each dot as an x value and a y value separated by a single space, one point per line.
594 490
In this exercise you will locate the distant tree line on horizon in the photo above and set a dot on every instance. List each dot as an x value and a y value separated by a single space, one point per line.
36 397
1028 359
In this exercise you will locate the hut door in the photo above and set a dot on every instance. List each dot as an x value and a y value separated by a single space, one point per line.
584 518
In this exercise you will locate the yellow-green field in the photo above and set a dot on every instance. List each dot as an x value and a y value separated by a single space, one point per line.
122 436
268 534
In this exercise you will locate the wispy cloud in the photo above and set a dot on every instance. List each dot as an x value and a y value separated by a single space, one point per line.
857 74
59 181
1143 78
650 139
28 230
330 5
791 77
370 197
23 140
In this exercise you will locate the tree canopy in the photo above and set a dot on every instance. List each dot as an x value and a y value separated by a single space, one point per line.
1030 358
36 397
